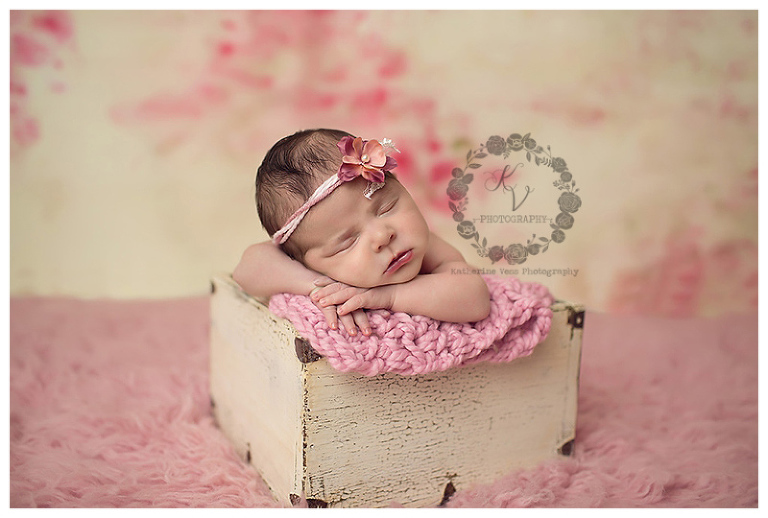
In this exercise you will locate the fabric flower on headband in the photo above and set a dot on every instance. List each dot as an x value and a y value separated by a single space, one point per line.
366 158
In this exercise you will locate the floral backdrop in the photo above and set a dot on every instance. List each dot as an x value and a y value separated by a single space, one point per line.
135 136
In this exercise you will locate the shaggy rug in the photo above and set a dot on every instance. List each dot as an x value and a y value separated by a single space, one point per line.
109 407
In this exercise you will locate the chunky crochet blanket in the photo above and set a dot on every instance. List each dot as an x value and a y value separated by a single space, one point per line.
406 344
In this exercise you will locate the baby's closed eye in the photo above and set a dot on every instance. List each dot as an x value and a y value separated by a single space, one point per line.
387 207
347 243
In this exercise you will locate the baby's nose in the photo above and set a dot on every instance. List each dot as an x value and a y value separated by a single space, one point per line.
383 237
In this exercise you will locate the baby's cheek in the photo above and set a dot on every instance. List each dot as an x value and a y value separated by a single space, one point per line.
356 273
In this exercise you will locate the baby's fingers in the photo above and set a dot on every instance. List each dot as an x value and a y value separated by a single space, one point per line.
333 295
351 305
331 316
320 292
361 319
323 281
349 324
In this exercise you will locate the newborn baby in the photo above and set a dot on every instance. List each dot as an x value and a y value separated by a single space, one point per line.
348 234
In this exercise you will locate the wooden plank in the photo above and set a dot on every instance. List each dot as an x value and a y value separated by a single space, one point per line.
256 386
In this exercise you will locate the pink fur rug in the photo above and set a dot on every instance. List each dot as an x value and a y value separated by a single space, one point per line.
109 408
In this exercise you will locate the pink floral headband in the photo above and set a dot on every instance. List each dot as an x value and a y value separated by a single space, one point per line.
366 158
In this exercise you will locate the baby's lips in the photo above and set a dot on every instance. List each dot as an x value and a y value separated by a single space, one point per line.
399 260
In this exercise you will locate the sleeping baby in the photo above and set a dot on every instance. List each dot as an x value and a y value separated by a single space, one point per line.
347 233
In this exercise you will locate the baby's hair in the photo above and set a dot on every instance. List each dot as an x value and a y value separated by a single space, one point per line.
290 172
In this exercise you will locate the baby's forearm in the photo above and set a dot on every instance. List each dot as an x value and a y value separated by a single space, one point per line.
447 296
265 270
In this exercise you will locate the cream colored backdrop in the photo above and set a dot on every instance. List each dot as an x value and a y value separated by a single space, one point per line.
135 137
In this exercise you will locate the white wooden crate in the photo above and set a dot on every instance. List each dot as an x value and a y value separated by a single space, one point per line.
348 440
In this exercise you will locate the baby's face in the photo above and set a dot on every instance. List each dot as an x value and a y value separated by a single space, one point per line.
362 242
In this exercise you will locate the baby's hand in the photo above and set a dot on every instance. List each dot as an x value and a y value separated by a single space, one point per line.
351 320
350 299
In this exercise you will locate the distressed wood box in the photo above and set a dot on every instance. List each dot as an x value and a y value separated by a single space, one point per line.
347 440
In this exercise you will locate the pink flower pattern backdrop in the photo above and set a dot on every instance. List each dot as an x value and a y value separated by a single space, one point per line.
135 136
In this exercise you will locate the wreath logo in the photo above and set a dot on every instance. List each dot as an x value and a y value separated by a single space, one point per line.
568 202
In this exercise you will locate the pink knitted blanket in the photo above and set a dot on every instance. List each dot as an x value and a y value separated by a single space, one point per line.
406 344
